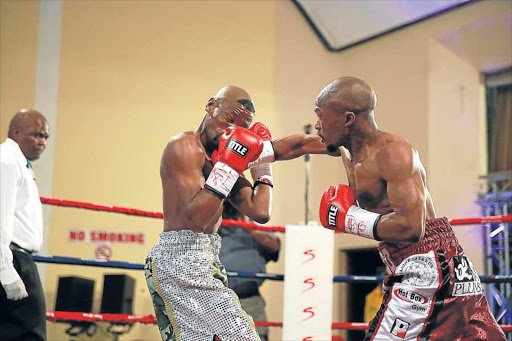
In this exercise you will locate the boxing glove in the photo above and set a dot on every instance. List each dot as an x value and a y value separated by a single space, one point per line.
267 154
338 211
237 147
261 173
262 131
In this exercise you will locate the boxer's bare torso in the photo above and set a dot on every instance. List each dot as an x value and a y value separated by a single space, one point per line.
183 170
389 158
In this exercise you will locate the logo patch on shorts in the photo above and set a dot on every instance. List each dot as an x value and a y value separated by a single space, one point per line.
419 270
400 328
238 147
467 282
410 296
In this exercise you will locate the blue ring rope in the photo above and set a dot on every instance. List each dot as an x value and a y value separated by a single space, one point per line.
242 274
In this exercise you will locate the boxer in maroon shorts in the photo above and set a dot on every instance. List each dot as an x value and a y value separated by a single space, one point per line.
433 288
434 292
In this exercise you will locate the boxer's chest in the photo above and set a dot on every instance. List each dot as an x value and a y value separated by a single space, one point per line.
369 187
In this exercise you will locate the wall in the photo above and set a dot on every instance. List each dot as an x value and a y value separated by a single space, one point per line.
454 120
18 58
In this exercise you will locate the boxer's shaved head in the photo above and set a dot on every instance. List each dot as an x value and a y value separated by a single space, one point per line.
231 105
353 94
343 107
232 94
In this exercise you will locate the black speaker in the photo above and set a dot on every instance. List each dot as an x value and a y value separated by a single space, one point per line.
118 291
74 294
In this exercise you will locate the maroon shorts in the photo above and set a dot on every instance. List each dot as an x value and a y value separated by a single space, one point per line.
433 292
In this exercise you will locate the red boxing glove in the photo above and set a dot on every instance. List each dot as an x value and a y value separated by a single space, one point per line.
338 211
261 169
267 154
262 131
237 147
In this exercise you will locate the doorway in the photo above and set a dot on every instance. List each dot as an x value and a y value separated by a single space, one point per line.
361 262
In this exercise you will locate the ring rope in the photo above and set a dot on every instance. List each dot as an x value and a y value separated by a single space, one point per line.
138 266
376 279
64 316
150 214
243 274
234 223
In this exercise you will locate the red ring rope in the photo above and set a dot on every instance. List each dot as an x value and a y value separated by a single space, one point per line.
234 223
64 316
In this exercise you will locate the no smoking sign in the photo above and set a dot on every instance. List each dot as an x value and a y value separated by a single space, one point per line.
103 252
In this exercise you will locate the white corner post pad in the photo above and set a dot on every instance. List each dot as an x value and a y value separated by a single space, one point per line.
222 179
267 155
362 222
308 283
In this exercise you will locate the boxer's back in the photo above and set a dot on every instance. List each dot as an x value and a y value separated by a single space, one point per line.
180 183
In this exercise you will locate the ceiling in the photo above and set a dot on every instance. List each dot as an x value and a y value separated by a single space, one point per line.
484 41
342 24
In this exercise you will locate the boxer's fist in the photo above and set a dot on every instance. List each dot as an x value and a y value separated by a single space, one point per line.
262 131
239 146
261 171
338 211
267 154
334 205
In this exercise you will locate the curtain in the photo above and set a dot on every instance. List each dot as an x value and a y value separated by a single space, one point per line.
500 129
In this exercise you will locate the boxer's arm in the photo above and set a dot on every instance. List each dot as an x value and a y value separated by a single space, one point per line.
254 202
294 146
400 167
196 206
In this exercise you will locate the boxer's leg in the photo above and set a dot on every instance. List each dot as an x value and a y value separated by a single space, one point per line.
482 325
167 330
411 304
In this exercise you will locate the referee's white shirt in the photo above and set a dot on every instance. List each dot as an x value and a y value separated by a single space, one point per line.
21 212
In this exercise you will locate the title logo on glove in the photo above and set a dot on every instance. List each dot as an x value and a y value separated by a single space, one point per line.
332 215
238 147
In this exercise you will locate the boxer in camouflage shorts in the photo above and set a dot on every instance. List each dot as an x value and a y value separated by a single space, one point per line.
199 170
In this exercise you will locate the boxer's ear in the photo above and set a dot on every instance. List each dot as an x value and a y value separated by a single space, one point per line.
350 118
210 106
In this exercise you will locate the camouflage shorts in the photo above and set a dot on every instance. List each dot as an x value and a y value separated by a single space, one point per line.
188 286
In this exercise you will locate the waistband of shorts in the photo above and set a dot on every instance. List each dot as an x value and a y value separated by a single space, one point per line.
190 240
440 224
439 235
183 235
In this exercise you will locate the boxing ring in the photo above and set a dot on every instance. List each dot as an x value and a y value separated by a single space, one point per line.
118 324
